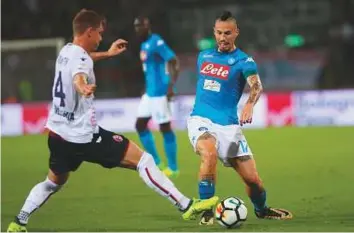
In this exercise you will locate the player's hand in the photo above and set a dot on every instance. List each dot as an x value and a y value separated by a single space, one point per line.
246 115
117 47
88 90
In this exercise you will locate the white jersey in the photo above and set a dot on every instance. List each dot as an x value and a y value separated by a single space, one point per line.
72 116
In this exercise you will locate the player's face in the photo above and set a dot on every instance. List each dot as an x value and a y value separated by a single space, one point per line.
225 33
142 27
95 36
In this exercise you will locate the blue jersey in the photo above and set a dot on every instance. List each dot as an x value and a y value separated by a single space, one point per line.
221 80
154 54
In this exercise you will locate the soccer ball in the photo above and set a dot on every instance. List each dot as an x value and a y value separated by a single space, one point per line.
231 212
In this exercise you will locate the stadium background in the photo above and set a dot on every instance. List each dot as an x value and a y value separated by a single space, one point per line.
305 53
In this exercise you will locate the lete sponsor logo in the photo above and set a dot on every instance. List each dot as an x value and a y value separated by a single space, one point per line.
215 70
280 109
35 118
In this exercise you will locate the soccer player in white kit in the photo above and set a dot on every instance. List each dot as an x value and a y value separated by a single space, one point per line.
75 137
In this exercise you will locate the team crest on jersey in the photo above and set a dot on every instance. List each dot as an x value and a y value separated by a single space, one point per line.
117 138
215 70
231 61
143 55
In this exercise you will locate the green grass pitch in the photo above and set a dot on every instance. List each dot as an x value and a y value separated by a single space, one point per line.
307 170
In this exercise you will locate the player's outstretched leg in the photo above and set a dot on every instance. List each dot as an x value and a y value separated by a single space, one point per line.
159 182
207 173
246 168
170 145
39 194
147 140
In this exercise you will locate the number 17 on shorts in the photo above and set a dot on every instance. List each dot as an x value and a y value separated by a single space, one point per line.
243 147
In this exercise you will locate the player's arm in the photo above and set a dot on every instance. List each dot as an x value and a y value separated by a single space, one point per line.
250 72
173 69
81 85
96 56
170 57
116 48
255 89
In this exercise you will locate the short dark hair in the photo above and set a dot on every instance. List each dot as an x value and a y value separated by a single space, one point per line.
142 18
85 19
226 16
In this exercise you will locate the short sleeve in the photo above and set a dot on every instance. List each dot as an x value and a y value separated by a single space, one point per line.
199 61
164 50
81 64
249 67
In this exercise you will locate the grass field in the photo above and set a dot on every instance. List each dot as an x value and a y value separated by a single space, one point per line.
307 170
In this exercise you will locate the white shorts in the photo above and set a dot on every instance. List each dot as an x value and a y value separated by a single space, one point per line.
158 108
224 134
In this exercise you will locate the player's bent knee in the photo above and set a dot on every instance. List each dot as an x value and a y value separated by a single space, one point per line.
207 148
209 156
141 124
59 179
132 156
165 127
51 186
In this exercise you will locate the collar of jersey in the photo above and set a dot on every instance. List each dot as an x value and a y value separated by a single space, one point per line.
227 53
149 37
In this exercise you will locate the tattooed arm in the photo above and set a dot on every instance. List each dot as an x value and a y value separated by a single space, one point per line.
256 89
255 93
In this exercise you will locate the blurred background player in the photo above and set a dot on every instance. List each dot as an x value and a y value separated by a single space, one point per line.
214 128
160 66
75 137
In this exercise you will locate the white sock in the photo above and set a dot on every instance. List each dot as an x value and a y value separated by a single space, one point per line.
37 197
159 182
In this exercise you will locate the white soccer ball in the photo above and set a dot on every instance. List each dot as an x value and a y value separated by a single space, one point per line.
231 212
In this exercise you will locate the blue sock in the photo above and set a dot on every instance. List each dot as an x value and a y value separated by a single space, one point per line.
206 189
259 200
170 144
148 142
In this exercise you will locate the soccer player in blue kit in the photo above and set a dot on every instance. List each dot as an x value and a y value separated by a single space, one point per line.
213 126
160 66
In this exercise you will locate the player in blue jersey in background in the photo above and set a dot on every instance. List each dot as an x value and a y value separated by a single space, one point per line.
214 128
160 66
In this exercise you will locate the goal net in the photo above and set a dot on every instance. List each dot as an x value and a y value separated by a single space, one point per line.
27 68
